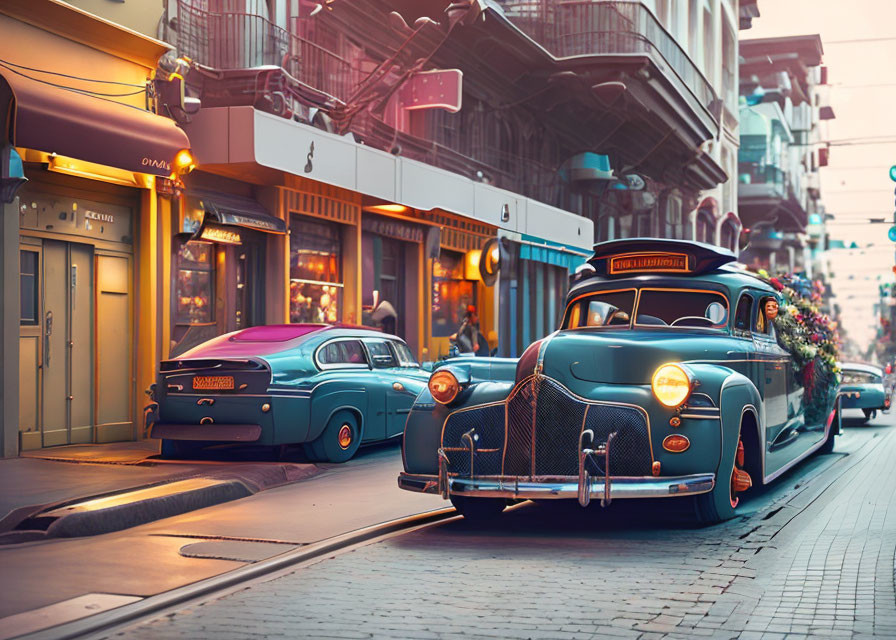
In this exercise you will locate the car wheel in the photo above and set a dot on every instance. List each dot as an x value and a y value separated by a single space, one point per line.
179 449
721 503
339 440
478 509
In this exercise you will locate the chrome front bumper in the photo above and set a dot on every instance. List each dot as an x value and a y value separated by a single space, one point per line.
563 487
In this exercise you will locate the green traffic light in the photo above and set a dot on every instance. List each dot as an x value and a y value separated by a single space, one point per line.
893 173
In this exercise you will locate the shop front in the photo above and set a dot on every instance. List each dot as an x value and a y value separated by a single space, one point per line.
391 275
218 266
533 285
79 256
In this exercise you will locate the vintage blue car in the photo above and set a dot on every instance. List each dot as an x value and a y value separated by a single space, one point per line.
665 380
328 387
862 387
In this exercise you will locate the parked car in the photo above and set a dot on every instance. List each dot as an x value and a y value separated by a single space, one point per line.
862 387
665 380
328 387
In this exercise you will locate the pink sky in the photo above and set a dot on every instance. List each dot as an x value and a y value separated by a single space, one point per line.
863 94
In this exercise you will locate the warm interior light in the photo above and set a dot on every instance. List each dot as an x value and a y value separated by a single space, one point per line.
671 385
443 386
386 208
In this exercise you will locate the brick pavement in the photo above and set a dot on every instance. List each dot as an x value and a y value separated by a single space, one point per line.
807 565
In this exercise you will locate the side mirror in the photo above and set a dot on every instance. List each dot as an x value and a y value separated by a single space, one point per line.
427 366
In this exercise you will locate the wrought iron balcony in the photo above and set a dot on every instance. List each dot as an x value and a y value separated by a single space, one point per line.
571 28
229 40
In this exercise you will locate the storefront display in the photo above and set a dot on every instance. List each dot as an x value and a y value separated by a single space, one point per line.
315 271
451 293
194 284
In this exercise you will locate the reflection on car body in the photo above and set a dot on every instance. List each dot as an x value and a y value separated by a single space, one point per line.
664 380
329 387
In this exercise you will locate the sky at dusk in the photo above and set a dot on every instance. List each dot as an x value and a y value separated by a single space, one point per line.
859 39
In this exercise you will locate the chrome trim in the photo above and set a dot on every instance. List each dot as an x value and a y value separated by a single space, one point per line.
714 416
563 487
633 487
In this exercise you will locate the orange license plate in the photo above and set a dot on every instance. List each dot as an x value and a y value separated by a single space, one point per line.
213 382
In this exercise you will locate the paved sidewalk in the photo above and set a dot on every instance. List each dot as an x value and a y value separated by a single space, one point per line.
816 560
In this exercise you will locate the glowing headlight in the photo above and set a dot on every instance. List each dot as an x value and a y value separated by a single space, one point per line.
671 385
443 386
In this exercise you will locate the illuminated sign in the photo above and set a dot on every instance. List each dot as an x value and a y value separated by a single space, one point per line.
220 234
102 217
650 262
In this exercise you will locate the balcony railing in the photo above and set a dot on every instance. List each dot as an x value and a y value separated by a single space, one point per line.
602 27
756 180
244 40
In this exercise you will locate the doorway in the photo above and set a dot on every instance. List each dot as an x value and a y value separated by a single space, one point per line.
75 360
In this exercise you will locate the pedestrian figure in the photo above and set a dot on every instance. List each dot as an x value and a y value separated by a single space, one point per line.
468 339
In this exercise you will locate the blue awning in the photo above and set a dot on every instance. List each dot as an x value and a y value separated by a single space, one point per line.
539 250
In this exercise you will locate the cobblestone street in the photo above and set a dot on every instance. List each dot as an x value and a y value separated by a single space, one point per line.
812 557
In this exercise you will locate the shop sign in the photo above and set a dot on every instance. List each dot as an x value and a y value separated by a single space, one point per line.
221 235
254 223
392 228
664 262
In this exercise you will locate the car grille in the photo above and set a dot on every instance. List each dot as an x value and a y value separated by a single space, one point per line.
536 432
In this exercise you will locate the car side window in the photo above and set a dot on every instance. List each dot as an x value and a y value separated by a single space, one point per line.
405 357
342 353
742 314
381 354
761 324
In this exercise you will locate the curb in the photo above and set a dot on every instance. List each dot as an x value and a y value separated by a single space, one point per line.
78 517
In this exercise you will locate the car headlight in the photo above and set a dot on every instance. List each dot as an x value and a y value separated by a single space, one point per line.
671 385
443 386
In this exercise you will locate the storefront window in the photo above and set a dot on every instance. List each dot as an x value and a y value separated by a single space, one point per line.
451 294
194 287
315 271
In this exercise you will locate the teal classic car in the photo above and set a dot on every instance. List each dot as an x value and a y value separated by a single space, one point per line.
665 380
328 387
862 387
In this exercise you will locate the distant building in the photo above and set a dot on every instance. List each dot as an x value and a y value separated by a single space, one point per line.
778 186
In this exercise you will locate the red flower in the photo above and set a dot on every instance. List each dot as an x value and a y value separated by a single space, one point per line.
776 284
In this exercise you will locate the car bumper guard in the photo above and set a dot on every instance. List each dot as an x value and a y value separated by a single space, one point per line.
561 487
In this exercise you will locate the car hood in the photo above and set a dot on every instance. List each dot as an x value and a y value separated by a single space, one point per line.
628 356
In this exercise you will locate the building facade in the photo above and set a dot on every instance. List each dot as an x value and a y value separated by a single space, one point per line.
86 164
783 111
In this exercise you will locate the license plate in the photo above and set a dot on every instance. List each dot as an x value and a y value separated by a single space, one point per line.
213 382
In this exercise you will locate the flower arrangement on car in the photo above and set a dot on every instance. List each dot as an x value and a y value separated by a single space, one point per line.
810 336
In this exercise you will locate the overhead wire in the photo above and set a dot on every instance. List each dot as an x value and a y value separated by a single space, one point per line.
66 75
86 92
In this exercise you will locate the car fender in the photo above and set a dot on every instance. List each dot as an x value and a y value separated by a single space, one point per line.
423 428
328 398
734 394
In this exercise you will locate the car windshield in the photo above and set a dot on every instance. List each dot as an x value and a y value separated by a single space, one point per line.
655 307
859 377
601 309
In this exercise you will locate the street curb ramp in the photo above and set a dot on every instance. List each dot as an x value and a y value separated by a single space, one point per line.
125 516
118 510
